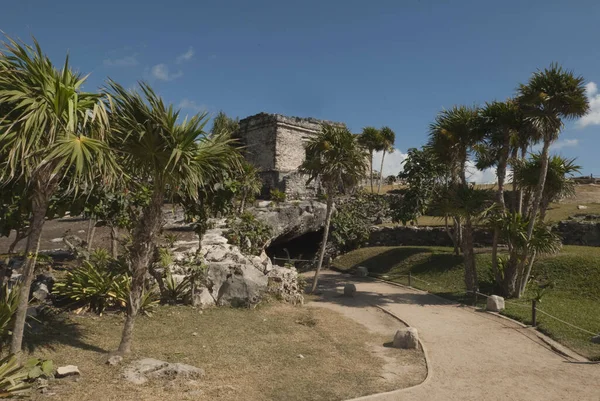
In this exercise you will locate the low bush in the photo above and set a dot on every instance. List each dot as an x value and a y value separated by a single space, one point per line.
277 195
16 380
8 306
249 234
98 284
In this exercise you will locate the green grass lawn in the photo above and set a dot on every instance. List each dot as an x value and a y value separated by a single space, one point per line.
575 297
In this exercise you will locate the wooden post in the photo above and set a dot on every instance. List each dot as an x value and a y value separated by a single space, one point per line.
533 313
409 280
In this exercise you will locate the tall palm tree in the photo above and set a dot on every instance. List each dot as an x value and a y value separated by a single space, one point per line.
452 137
335 158
249 182
388 137
504 126
163 154
54 132
551 96
370 139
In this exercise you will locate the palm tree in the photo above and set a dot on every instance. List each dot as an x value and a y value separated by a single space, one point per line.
388 137
335 158
249 182
452 137
370 139
551 96
504 126
53 133
163 154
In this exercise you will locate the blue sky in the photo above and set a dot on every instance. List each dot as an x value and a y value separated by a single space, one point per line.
394 63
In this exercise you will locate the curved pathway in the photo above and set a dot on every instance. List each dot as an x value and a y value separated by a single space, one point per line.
471 355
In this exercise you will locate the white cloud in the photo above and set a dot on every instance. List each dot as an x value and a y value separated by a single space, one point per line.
185 56
392 164
593 116
161 71
127 61
487 176
190 105
564 143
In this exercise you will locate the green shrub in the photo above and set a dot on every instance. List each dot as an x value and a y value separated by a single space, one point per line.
277 195
176 292
8 306
16 380
99 284
249 233
351 224
171 239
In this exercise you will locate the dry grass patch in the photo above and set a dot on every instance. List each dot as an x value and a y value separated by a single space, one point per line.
247 355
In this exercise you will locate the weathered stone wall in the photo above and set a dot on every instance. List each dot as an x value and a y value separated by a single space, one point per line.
420 236
275 145
580 231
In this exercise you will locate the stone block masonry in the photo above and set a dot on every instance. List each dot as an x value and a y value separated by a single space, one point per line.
275 145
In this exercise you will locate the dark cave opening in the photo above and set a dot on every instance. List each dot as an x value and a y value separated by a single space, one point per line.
300 251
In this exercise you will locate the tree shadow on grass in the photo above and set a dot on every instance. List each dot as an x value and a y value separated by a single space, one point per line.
385 261
52 328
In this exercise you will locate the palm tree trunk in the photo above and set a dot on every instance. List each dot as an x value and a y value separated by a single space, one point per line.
381 172
91 234
142 250
371 168
525 277
520 192
325 237
467 242
457 235
114 241
501 173
39 202
243 202
539 190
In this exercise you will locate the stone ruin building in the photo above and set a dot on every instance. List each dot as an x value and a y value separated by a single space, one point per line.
275 145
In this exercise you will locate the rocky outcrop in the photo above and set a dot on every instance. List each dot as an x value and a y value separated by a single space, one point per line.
233 278
291 220
143 370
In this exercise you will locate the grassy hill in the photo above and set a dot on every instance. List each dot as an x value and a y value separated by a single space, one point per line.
575 297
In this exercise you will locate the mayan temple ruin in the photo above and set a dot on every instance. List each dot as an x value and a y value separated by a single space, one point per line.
275 145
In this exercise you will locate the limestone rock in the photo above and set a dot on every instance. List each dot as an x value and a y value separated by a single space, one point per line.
283 283
291 220
202 299
114 360
142 370
69 370
406 338
362 271
495 303
581 207
40 292
349 290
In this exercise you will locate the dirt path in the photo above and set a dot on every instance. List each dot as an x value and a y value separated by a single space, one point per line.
471 355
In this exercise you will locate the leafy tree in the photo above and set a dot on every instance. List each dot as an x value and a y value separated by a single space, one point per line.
52 133
370 139
335 158
387 137
549 97
249 184
452 137
164 155
222 124
558 184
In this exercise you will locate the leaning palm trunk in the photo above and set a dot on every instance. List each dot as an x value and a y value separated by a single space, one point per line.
39 202
325 238
469 256
381 172
371 169
142 251
91 234
114 241
501 173
539 190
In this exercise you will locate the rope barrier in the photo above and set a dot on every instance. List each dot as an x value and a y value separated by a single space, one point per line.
294 260
567 323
